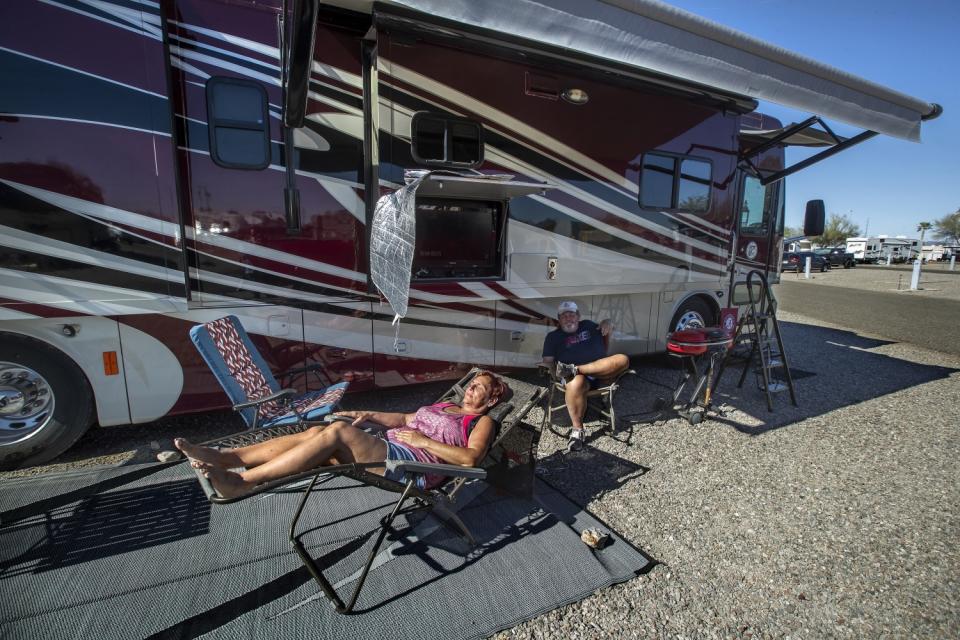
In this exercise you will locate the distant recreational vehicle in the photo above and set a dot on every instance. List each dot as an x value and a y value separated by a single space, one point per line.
210 157
880 248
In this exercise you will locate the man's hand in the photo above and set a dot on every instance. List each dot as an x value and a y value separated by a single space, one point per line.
606 328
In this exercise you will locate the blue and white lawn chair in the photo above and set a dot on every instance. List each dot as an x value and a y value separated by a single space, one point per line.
249 383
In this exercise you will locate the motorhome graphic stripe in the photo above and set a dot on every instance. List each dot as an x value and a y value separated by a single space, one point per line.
249 276
87 273
49 89
102 12
532 211
37 310
191 44
98 213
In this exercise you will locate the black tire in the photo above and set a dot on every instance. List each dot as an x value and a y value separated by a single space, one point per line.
693 313
47 433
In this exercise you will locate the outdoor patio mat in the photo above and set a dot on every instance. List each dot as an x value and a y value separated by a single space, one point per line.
88 555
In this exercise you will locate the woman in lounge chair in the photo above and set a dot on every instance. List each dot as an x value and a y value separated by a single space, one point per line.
444 433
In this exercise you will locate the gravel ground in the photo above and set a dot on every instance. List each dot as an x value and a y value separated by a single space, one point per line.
834 519
936 280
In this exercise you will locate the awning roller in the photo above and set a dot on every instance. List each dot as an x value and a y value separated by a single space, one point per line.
653 36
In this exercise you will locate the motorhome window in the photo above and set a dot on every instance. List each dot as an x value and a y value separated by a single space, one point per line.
443 140
675 182
694 186
239 123
457 239
656 181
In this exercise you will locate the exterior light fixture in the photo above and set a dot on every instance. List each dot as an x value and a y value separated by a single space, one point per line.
575 96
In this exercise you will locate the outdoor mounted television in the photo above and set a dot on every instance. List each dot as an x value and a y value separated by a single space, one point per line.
458 239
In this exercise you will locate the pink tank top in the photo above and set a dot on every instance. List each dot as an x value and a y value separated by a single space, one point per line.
435 423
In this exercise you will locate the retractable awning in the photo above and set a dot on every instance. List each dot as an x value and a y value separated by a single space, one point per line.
654 37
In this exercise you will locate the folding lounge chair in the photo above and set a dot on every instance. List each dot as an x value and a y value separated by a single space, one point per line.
501 462
599 400
254 391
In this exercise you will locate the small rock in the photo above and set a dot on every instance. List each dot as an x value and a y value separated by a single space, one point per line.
168 456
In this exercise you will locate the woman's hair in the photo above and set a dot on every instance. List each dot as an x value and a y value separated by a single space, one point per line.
498 388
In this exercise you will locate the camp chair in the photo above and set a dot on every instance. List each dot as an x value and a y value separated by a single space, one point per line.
504 462
254 391
599 401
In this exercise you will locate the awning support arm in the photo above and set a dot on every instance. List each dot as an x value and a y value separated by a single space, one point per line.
823 155
783 135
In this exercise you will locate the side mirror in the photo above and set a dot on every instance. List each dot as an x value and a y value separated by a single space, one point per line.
303 24
813 219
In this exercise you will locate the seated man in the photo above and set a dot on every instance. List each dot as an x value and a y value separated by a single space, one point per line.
444 432
581 351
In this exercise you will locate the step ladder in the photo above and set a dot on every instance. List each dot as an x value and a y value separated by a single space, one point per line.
759 331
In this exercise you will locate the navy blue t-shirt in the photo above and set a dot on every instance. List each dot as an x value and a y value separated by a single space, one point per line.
582 346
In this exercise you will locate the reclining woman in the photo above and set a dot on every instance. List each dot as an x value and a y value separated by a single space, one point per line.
444 432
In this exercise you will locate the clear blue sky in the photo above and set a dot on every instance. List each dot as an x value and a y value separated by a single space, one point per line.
913 47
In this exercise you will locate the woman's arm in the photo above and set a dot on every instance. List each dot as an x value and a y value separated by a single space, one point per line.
468 456
379 419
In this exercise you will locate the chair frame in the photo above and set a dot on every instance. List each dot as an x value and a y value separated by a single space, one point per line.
437 500
284 396
599 400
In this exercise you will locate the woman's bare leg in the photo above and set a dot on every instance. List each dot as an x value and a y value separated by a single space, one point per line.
249 456
340 440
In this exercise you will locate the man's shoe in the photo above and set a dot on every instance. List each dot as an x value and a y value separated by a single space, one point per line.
566 371
575 443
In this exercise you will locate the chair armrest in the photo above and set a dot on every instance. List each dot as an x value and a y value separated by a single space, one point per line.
548 371
452 470
259 401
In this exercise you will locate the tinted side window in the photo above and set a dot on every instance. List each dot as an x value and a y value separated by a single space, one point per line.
656 181
694 185
239 123
675 182
437 139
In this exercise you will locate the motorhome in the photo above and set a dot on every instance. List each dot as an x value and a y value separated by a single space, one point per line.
167 163
864 250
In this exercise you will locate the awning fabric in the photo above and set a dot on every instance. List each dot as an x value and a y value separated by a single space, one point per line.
653 36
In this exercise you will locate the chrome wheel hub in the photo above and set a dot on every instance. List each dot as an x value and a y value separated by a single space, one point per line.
690 320
26 402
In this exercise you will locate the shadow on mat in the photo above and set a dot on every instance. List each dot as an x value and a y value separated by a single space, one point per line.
106 524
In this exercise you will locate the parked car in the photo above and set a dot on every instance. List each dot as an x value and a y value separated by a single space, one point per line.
837 256
796 261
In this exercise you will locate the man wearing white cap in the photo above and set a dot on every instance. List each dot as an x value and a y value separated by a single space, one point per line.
579 348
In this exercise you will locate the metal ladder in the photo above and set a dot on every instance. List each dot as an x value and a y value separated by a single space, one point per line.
759 328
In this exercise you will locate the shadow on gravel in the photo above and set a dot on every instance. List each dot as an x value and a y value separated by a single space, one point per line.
846 372
588 474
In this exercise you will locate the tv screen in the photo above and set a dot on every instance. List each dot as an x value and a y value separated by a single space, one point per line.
456 239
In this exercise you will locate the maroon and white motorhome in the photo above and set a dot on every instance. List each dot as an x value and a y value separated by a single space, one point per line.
167 163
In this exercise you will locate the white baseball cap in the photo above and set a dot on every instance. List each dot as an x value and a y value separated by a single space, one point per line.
567 305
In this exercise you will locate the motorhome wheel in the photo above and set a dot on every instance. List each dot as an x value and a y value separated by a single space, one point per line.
45 402
692 314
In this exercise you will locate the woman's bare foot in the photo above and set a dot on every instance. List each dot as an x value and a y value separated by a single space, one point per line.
227 483
200 457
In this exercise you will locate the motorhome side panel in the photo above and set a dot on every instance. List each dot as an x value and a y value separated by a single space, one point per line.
591 226
245 244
